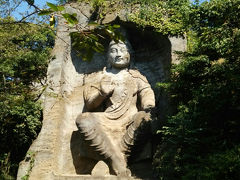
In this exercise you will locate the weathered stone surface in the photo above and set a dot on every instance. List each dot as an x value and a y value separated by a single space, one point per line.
88 177
56 150
178 44
111 120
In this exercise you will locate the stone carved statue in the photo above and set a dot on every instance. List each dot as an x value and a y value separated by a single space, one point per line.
116 106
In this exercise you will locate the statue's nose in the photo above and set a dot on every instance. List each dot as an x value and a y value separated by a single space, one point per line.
119 54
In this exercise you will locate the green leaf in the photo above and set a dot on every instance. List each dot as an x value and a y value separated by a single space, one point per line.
70 24
52 6
66 15
96 49
99 47
110 28
110 33
60 8
71 19
116 26
92 23
45 12
93 36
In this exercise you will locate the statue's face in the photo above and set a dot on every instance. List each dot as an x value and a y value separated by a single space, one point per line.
118 55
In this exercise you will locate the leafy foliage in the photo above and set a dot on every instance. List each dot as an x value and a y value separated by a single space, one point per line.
165 16
25 50
88 42
217 26
203 132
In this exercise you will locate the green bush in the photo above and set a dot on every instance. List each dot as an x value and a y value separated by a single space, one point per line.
25 51
200 140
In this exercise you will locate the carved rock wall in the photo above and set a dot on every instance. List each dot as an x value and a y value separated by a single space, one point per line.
56 151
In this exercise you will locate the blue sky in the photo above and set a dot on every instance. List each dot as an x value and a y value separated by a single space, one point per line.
25 7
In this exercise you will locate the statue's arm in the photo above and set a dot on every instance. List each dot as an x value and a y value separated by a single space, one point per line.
145 92
147 97
93 97
95 94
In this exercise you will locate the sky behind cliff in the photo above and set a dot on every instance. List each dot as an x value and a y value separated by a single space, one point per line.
24 7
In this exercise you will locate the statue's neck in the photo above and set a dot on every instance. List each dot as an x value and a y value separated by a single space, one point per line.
117 70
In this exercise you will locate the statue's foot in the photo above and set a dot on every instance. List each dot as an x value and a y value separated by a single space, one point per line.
122 172
119 167
126 173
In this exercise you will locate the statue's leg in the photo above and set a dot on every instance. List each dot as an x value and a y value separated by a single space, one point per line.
89 125
134 131
85 165
82 163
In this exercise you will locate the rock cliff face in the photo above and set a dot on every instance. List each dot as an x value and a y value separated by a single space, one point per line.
56 153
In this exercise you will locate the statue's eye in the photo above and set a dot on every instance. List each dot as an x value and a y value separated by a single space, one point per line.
123 50
113 50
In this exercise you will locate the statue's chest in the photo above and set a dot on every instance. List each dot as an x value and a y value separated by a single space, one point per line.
124 87
123 96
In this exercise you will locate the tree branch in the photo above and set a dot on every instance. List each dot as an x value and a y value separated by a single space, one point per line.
28 16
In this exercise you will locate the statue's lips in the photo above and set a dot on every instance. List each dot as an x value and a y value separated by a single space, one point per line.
119 59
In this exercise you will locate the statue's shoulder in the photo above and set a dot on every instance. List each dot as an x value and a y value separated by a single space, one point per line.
93 78
136 74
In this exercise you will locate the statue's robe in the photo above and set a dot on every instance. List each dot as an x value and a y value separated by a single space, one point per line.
113 114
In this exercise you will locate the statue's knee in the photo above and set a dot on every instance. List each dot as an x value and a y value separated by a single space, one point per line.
85 121
82 119
141 117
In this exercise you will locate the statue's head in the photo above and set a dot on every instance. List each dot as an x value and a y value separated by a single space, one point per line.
118 55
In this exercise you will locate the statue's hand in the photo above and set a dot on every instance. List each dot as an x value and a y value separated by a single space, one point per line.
106 86
148 108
